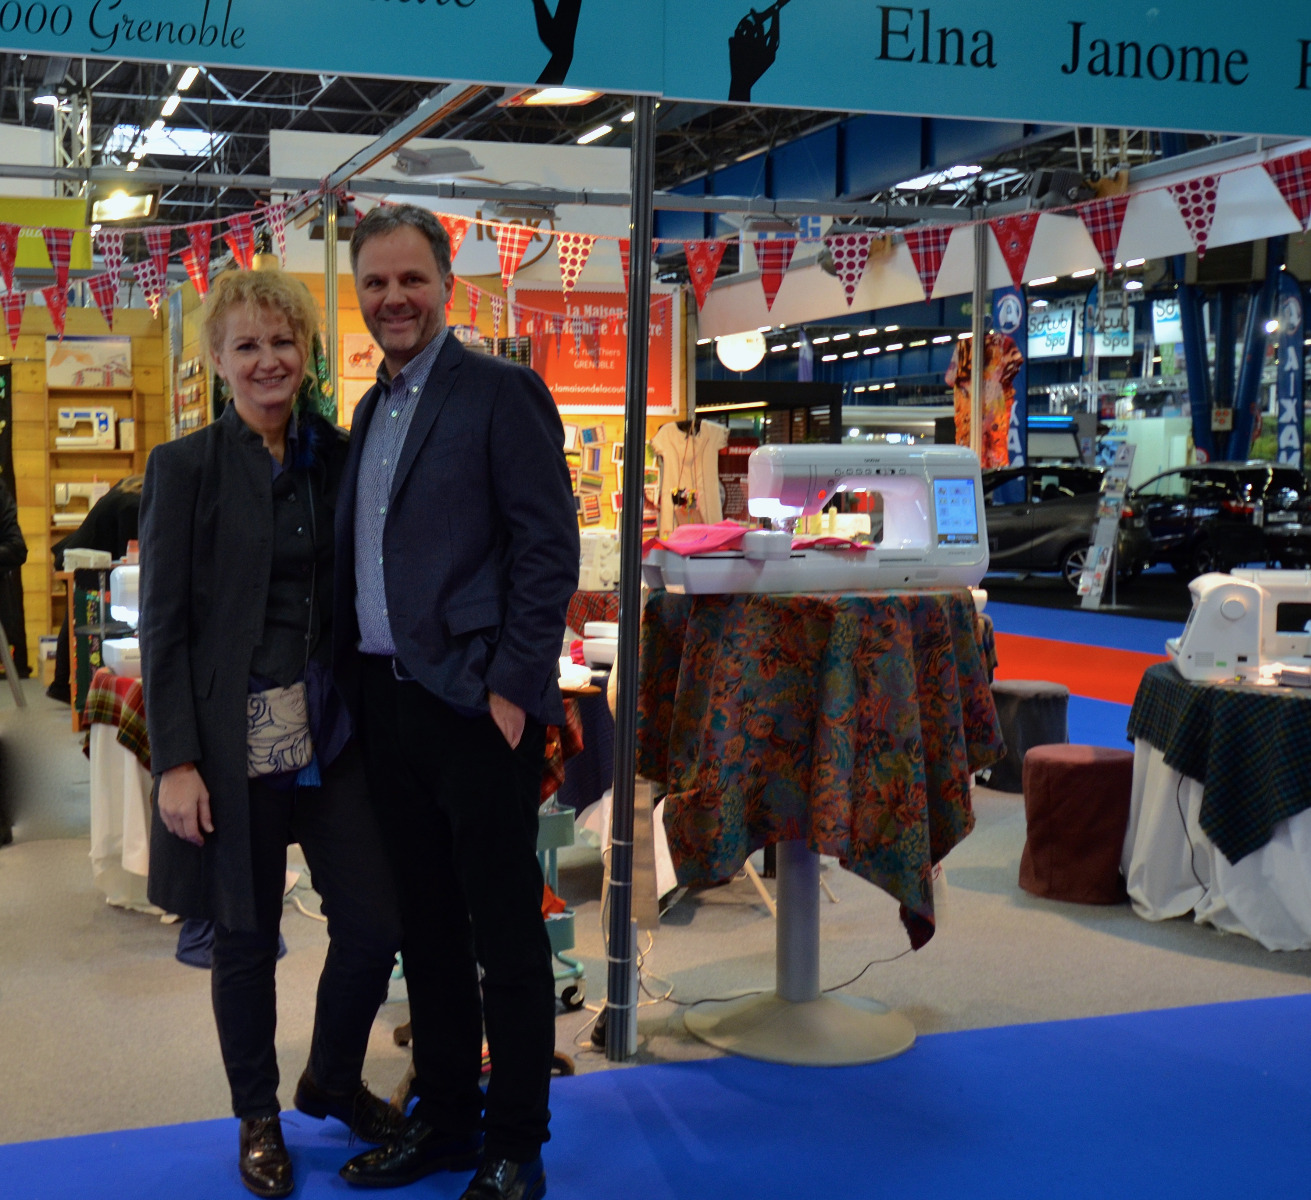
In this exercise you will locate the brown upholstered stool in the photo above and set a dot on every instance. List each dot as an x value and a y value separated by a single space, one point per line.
1076 805
1031 712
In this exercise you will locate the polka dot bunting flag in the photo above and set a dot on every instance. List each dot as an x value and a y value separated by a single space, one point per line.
573 250
1196 201
850 255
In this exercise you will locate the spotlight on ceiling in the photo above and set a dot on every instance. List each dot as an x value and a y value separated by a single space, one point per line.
440 160
119 206
741 351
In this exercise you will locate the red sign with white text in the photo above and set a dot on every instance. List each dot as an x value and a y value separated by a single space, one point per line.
585 362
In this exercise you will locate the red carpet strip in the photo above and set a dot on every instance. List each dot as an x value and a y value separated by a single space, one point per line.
1092 671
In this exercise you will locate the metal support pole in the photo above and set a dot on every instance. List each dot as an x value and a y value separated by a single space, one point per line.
621 997
330 294
979 336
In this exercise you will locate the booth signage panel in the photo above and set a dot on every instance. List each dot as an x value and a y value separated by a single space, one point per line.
34 213
1190 65
1009 318
1290 383
593 382
1051 328
1167 323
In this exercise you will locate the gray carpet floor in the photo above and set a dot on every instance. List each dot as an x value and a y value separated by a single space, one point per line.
101 1029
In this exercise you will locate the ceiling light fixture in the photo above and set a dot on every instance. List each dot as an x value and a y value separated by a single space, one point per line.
627 118
870 332
1134 262
893 346
741 351
1041 280
829 358
841 337
961 337
852 354
921 342
1133 285
189 76
47 98
171 105
119 206
554 96
891 328
780 346
1084 273
592 134
819 341
705 408
938 341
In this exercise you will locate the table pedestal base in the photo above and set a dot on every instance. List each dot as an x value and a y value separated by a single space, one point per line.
796 1022
830 1031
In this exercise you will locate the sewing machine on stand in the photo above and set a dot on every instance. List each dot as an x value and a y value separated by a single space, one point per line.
90 427
66 517
933 535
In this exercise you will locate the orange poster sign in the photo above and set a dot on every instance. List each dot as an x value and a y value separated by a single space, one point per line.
580 347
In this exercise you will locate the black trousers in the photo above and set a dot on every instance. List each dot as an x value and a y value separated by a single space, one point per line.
458 810
336 828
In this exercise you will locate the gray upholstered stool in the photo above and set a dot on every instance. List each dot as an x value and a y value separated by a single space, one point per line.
1031 712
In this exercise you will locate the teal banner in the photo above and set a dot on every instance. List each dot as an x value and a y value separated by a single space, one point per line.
1174 64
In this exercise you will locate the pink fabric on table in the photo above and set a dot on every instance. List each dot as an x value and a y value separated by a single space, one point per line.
700 539
828 542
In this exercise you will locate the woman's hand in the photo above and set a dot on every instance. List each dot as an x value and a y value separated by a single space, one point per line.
184 804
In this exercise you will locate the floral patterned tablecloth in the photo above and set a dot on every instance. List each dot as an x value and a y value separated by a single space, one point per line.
853 721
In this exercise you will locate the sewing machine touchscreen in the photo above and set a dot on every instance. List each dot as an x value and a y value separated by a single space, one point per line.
957 516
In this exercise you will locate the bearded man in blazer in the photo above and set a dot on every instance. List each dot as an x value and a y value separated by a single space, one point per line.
457 545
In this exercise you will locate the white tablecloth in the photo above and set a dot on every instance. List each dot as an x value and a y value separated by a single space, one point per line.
1171 867
120 821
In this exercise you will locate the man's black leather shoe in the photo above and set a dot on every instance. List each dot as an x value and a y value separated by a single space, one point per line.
418 1150
368 1117
501 1179
265 1163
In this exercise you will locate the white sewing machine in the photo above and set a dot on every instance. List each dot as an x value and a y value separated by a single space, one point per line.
88 428
1285 614
66 493
933 532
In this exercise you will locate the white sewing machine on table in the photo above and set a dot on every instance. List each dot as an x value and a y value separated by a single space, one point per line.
1242 622
66 493
92 428
933 524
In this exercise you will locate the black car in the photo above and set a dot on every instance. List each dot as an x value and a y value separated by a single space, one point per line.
1040 518
1214 516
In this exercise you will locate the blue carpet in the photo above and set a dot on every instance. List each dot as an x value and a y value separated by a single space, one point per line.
1099 723
1204 1103
1091 628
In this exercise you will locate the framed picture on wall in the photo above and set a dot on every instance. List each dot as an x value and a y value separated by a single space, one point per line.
360 356
89 362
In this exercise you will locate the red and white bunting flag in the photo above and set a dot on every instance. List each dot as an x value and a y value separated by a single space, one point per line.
576 332
59 246
498 307
1291 174
159 242
474 297
8 252
1103 219
557 327
1015 235
456 228
516 320
275 221
197 272
241 239
625 256
56 299
574 249
1196 201
110 244
703 259
773 256
927 247
511 245
850 253
592 342
152 284
13 305
104 290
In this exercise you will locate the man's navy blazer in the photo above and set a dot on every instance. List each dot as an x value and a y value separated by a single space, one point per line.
480 544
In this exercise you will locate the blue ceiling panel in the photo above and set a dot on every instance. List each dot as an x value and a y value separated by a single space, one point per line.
878 152
807 168
951 142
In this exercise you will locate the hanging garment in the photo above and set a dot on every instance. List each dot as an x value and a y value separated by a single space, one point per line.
689 473
1002 362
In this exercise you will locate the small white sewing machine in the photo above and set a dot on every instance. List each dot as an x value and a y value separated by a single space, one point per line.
87 428
65 493
1285 614
933 531
1222 638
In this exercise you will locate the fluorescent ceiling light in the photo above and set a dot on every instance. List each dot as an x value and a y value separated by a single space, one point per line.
156 140
861 388
1134 262
829 358
795 346
627 118
937 178
1042 279
969 333
819 341
921 342
133 165
591 135
891 328
559 95
893 346
841 337
776 349
1133 285
703 341
851 354
171 105
119 206
1084 273
189 76
47 98
888 386
938 341
1272 326
870 350
763 328
157 126
870 332
1038 304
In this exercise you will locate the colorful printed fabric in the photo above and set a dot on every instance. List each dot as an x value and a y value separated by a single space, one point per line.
1002 363
563 742
116 700
851 721
592 606
1248 748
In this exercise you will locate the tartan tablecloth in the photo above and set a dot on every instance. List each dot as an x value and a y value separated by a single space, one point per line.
116 700
1248 747
853 721
592 606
